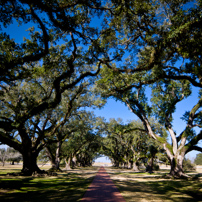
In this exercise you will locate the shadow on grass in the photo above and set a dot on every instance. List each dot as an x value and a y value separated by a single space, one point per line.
65 188
170 190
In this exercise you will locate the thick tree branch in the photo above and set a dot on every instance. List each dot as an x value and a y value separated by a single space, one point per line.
189 146
196 148
5 138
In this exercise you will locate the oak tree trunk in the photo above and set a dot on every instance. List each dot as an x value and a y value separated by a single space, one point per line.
176 169
135 167
150 164
30 163
55 159
74 161
68 164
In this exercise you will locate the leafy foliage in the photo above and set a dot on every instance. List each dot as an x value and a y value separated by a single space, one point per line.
198 159
188 165
127 145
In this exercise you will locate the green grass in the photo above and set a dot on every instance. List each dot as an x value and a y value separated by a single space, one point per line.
70 186
177 191
64 187
4 171
155 187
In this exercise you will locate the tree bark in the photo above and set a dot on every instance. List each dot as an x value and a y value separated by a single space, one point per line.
150 164
74 161
68 164
135 167
55 160
176 163
30 163
176 169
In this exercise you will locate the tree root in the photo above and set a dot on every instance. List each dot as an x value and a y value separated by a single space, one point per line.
44 174
177 176
55 170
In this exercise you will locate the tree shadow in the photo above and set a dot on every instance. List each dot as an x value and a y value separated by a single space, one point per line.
166 190
47 189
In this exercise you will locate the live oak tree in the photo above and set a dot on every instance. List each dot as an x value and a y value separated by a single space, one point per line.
145 149
35 73
121 144
67 118
13 156
160 37
46 128
50 22
3 156
165 97
9 154
61 126
149 40
87 155
115 144
159 43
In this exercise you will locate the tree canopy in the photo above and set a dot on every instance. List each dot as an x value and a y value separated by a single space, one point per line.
56 58
153 43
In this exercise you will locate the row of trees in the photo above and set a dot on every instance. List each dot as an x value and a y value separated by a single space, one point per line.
125 147
46 80
128 147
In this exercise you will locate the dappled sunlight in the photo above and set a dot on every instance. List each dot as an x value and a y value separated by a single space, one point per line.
66 186
156 191
155 186
71 186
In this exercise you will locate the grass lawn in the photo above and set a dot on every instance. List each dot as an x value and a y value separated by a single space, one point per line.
66 186
142 187
70 186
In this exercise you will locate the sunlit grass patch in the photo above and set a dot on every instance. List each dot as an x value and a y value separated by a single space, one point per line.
6 171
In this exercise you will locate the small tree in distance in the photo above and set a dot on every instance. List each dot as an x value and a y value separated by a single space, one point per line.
198 159
9 154
188 165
